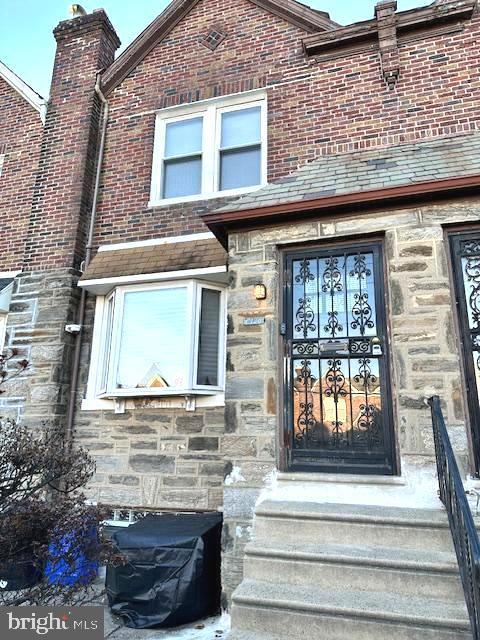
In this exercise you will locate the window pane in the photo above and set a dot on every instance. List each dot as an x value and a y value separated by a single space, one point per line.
182 177
207 373
240 127
184 137
153 351
239 168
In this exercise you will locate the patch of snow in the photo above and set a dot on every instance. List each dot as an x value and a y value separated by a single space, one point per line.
234 476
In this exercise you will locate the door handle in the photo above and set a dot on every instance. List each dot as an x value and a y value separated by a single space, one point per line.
334 346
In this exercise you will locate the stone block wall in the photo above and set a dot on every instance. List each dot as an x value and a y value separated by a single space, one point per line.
423 342
43 302
150 457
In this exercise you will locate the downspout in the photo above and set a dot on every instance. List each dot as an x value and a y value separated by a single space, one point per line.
88 256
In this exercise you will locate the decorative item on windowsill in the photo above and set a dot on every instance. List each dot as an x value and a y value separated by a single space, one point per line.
260 291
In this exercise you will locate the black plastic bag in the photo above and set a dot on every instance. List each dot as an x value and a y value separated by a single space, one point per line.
172 574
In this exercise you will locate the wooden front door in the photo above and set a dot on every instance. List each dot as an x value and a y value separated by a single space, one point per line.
338 414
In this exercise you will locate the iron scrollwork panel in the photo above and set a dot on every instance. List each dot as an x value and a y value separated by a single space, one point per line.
470 265
337 403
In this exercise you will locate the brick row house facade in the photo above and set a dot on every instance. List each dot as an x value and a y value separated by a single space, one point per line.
247 250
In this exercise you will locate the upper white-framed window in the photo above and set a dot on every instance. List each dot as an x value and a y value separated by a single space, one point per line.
162 339
210 149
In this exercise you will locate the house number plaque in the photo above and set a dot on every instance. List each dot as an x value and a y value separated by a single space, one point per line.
254 320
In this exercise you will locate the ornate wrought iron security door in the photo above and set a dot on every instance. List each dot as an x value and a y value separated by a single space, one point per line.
465 249
338 410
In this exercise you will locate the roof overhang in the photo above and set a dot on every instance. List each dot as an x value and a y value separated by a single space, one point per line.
365 34
26 92
221 222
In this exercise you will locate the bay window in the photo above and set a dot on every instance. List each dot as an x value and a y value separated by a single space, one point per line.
211 148
162 339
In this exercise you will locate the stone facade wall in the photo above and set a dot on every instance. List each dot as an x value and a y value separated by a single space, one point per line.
423 340
43 302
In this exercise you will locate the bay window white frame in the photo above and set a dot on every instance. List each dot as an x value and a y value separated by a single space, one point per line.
211 111
3 330
110 337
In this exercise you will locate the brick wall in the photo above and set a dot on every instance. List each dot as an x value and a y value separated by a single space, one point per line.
315 106
20 136
63 188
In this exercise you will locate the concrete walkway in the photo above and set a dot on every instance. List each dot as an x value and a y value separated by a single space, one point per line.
215 628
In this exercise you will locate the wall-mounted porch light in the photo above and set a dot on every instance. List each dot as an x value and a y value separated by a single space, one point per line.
260 291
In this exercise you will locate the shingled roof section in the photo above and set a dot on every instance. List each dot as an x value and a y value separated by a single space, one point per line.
159 258
367 170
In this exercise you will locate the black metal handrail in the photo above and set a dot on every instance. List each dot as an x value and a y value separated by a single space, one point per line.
462 526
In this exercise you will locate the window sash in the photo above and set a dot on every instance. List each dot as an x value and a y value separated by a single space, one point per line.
107 339
112 322
211 148
221 338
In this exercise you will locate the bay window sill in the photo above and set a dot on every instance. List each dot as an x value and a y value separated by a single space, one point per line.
154 393
157 401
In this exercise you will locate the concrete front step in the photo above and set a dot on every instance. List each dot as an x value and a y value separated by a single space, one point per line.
340 478
350 525
425 573
298 611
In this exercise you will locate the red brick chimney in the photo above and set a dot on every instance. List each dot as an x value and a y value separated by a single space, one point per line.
387 40
61 198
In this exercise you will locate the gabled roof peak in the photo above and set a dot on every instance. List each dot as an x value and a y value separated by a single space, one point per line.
297 13
24 89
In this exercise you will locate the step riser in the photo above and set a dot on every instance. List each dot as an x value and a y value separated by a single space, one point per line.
283 624
352 533
441 586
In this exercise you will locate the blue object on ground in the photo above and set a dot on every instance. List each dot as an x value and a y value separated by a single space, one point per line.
68 563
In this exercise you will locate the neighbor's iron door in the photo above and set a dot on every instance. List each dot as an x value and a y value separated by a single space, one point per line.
465 249
338 407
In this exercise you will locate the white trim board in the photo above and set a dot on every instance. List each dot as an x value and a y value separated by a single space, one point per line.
136 244
21 87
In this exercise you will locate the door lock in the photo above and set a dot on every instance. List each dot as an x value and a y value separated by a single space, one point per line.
376 346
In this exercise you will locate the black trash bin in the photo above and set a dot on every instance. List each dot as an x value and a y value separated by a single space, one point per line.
172 571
